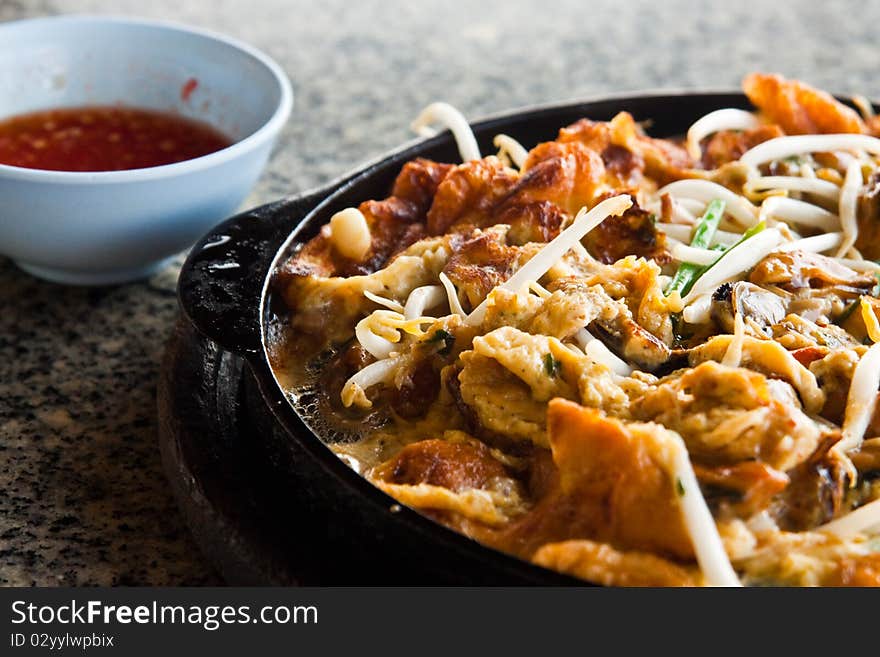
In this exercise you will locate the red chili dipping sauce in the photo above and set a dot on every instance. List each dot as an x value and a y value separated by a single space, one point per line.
104 139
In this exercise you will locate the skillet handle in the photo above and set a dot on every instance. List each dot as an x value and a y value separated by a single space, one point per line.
222 282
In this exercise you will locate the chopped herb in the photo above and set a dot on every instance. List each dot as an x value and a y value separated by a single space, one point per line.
679 487
552 366
750 233
684 278
446 338
688 272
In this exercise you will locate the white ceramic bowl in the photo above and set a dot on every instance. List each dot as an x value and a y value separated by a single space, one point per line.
109 227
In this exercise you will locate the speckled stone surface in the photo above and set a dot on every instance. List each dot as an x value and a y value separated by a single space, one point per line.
82 496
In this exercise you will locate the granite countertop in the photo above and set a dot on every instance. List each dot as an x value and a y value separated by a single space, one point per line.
83 500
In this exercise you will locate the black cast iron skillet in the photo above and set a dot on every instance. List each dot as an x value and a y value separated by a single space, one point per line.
224 291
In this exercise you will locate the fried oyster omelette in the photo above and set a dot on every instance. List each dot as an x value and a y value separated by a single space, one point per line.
636 361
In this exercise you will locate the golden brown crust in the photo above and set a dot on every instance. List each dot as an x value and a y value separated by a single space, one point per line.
601 563
727 145
632 233
468 195
481 260
799 108
418 181
856 571
610 488
454 465
629 155
567 174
